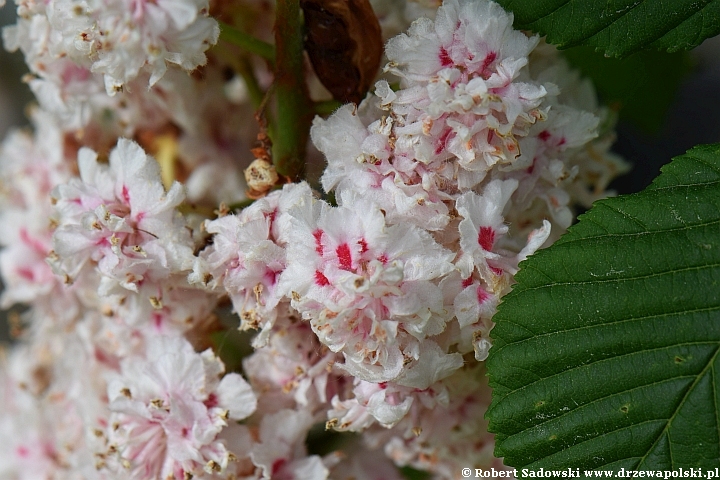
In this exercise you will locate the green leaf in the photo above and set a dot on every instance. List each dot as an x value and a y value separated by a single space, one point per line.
641 87
606 352
619 27
412 474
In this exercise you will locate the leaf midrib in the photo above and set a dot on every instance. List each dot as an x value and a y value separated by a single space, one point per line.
599 399
604 324
618 279
609 234
603 435
644 350
670 420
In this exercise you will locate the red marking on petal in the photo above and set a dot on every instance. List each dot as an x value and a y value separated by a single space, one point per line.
445 59
489 59
23 451
321 279
278 465
32 242
126 194
270 276
318 241
486 238
497 271
271 216
482 295
106 359
212 401
157 320
383 259
544 135
562 142
26 273
73 73
382 385
531 167
467 282
344 256
363 246
442 141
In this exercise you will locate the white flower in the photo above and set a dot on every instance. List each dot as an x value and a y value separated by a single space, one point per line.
444 429
29 168
362 158
168 409
365 286
369 313
464 94
120 38
482 226
247 257
27 441
281 451
120 217
293 369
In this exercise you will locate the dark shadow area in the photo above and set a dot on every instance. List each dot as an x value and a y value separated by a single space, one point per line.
691 120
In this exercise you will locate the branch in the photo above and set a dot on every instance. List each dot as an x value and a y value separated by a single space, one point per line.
294 109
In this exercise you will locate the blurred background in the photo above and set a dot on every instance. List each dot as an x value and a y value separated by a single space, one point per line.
14 94
667 103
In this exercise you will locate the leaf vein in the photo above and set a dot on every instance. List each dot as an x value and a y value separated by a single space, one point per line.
614 323
609 206
616 19
624 279
638 234
552 11
705 162
657 35
715 391
682 402
608 433
599 399
678 186
609 359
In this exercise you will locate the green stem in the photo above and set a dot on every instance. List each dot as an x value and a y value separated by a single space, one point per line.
294 109
255 93
247 42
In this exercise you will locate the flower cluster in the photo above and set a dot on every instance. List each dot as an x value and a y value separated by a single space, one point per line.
126 233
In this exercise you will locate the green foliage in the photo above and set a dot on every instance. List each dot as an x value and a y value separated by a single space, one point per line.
606 352
232 346
412 474
641 87
619 27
